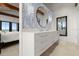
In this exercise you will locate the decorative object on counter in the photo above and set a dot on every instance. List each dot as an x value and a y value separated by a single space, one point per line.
62 25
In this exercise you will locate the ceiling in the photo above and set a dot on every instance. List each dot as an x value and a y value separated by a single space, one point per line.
55 6
10 8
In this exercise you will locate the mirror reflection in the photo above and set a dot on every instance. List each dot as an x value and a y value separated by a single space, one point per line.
42 16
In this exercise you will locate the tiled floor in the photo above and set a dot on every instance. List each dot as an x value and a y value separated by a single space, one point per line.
63 49
66 49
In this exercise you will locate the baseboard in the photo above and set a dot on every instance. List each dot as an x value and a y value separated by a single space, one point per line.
4 45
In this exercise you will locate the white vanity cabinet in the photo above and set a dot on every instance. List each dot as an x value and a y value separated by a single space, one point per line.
35 43
36 35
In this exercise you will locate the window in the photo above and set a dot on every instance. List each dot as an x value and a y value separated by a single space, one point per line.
5 26
14 26
9 26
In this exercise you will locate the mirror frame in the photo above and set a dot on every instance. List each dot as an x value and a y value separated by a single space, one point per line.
65 17
47 21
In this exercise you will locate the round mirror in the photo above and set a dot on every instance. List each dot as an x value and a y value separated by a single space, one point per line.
42 16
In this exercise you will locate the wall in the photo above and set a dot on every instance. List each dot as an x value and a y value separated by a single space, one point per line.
29 21
72 14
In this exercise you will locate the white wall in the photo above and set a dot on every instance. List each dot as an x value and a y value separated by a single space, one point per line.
72 14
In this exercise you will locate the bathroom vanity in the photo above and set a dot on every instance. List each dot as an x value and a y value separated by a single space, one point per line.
36 34
35 43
